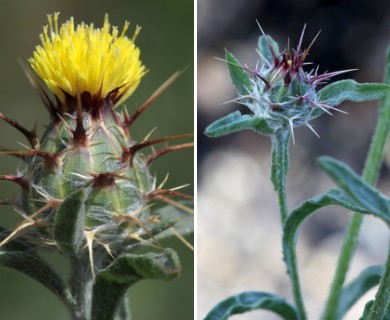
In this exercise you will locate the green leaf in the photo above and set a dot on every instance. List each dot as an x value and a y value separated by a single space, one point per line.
366 280
249 301
306 209
184 224
69 223
300 214
112 282
340 91
367 310
364 194
235 122
240 78
265 50
36 268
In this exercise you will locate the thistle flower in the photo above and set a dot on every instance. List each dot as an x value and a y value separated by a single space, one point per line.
87 189
99 62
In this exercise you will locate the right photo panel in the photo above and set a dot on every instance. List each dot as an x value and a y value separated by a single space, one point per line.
293 193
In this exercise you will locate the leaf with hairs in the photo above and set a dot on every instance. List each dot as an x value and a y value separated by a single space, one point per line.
250 301
358 287
235 122
240 78
112 282
363 193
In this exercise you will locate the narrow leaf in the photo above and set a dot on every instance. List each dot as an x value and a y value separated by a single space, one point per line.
235 122
249 301
367 310
361 191
36 268
306 209
366 280
240 78
340 91
265 50
112 282
300 214
69 223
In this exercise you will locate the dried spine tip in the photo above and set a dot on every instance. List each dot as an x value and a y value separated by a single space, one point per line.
162 151
129 120
30 135
22 181
129 153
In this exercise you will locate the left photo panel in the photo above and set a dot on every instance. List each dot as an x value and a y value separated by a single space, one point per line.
97 160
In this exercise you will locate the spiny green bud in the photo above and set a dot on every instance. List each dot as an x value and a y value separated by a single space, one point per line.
86 182
281 94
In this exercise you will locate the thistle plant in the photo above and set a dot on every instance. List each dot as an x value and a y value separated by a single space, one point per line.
87 190
281 96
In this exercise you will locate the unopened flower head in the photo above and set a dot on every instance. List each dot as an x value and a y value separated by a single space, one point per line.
98 61
283 90
279 92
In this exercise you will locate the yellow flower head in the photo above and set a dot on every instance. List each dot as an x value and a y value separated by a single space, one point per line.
73 60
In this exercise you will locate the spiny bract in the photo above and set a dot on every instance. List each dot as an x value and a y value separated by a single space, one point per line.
87 147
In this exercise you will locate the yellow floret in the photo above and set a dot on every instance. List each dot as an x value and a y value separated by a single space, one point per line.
87 59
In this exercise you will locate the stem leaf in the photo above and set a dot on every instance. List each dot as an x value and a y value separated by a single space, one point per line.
249 301
236 122
301 213
112 282
265 50
351 293
298 216
240 78
367 310
36 268
340 91
364 194
69 223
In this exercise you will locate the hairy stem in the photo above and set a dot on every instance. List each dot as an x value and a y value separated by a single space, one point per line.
370 174
382 302
279 169
80 277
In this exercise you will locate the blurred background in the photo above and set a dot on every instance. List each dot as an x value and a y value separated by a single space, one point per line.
238 223
166 43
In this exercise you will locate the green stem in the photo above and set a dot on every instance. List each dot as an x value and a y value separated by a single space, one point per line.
81 287
291 260
279 169
370 174
382 297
